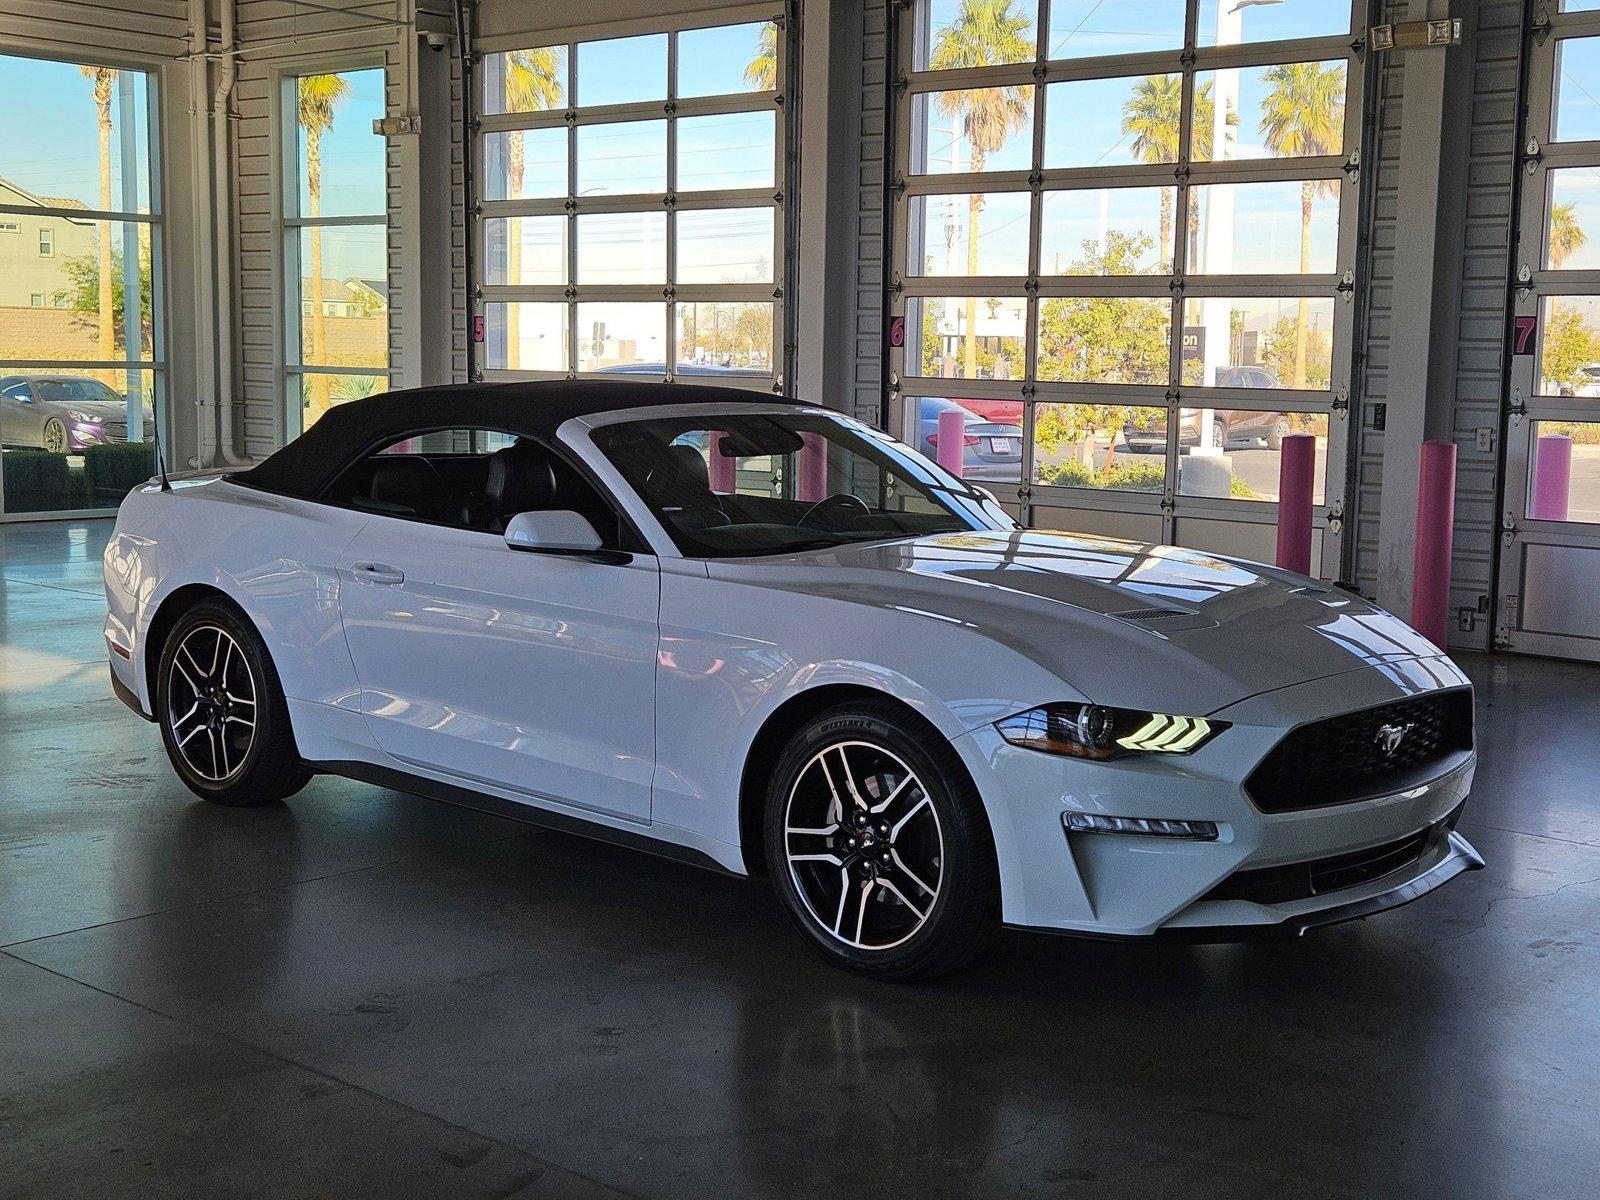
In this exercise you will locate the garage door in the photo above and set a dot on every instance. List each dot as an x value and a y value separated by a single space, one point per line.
1550 524
1126 240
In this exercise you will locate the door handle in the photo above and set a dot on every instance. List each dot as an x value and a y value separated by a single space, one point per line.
372 572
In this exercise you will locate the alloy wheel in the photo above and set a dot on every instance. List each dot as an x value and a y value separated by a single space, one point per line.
211 703
864 845
55 436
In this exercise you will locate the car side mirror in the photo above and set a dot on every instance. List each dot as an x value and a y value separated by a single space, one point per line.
558 531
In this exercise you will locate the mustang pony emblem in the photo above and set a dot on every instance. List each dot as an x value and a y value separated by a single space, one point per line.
1389 737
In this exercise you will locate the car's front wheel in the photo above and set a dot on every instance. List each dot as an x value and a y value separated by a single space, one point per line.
54 436
879 847
222 713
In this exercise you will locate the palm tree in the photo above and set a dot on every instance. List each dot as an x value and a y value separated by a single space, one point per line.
1152 115
317 97
102 78
985 33
534 82
761 73
1566 233
1303 114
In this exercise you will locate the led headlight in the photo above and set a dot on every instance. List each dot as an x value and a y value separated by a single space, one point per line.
83 417
1094 731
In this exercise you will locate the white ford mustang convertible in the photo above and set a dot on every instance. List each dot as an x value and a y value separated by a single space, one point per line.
764 637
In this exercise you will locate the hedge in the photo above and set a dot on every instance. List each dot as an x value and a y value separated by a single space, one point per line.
38 481
1124 477
111 472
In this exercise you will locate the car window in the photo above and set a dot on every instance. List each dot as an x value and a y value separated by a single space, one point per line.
767 483
18 391
68 391
474 478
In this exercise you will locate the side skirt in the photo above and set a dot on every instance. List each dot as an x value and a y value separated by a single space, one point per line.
448 793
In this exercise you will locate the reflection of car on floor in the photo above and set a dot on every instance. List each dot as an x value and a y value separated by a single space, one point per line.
993 449
1228 425
63 414
916 719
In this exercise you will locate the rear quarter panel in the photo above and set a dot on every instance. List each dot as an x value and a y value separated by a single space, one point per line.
276 557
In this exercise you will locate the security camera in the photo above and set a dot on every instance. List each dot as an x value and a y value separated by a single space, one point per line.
436 41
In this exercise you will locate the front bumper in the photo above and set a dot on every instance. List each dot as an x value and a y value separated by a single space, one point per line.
1115 885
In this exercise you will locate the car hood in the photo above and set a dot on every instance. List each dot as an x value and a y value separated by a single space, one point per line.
1126 623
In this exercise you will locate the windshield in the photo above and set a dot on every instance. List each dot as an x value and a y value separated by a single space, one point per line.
770 483
67 391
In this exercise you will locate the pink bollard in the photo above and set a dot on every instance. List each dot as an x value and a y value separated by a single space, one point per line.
1296 481
814 467
1552 478
723 481
952 445
1436 520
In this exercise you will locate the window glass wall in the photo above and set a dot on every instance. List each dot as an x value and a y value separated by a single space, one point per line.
1133 225
335 241
632 221
81 343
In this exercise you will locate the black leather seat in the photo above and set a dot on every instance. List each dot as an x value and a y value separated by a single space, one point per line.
522 478
404 485
684 481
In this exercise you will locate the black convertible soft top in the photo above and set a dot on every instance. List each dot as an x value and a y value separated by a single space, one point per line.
533 409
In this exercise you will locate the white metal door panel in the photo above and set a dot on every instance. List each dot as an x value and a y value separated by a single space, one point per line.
533 672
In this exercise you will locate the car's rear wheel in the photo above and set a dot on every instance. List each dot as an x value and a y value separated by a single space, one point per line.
879 847
54 436
223 717
1219 433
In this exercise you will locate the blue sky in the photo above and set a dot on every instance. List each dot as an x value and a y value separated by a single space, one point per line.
60 156
353 157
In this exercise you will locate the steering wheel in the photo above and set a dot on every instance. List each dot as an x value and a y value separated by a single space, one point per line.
840 500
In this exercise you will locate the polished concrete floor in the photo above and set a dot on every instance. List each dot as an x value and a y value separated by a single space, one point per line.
360 993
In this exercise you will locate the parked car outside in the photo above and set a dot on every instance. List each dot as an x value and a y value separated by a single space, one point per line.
1229 426
64 414
1590 386
1003 412
993 450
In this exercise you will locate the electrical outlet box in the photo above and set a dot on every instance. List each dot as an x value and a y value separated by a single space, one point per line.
1380 415
1485 438
1466 619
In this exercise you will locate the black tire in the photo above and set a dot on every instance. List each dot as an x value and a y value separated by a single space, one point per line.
1279 431
203 733
1219 433
905 943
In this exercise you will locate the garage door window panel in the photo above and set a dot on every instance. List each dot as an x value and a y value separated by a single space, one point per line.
1190 235
648 232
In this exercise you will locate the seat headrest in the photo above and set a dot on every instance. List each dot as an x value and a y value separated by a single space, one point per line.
521 479
691 467
408 482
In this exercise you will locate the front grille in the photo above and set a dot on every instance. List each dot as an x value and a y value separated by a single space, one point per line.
1301 881
1348 758
115 431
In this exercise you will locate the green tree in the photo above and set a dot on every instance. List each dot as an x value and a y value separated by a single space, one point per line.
984 33
317 96
1100 339
1567 344
1282 349
761 72
1567 236
84 293
1303 114
102 78
1152 115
